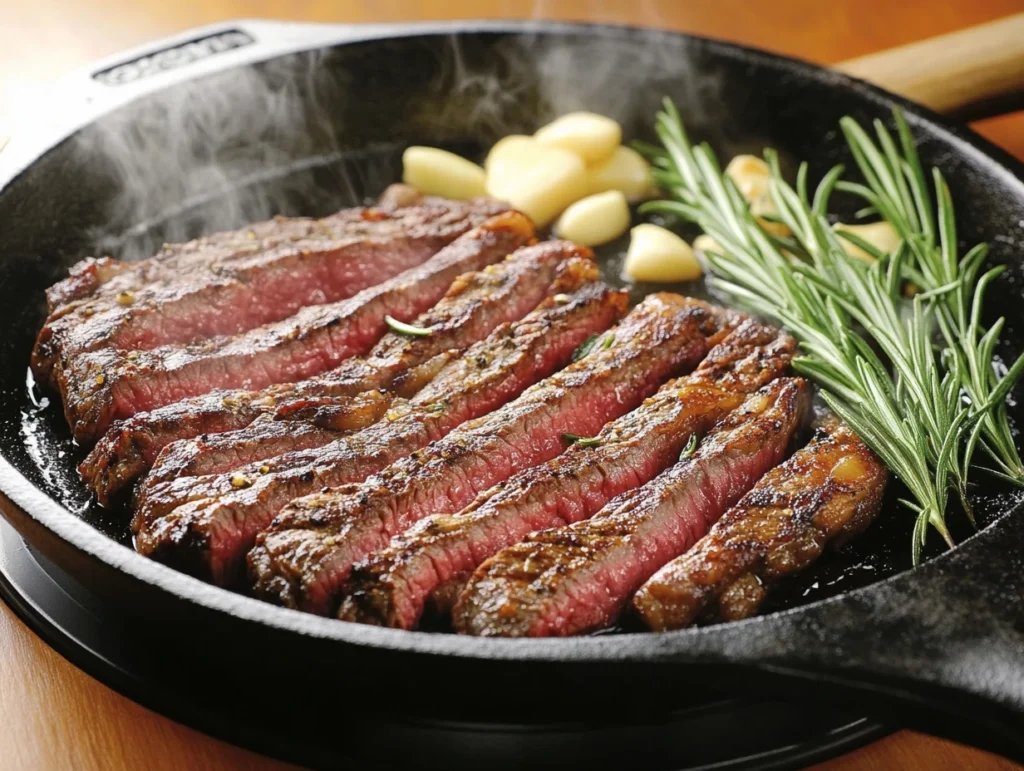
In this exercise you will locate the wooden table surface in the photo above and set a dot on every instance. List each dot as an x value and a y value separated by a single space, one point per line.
52 716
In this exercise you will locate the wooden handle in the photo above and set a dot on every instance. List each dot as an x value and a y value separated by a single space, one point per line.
976 72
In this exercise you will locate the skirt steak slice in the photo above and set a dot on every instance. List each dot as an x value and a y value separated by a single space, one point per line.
227 283
829 490
577 578
104 385
393 586
206 524
306 556
475 305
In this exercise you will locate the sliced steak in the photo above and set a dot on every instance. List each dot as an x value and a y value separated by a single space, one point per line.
267 438
105 385
227 283
830 489
208 523
455 386
577 578
475 305
305 557
392 587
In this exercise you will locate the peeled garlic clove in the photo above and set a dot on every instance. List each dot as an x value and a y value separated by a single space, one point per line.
596 219
656 254
591 136
538 180
505 150
433 171
880 235
752 177
705 243
625 171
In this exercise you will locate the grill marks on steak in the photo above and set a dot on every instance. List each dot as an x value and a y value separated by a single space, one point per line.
227 283
206 524
576 578
104 385
305 557
475 305
831 489
392 587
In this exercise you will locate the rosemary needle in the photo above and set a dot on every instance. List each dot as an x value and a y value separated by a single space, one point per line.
406 329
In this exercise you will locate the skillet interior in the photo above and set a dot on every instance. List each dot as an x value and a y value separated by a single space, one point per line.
327 133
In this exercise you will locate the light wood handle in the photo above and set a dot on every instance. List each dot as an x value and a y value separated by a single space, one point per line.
976 72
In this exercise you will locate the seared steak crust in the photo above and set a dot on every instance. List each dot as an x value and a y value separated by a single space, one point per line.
305 557
100 386
392 586
227 283
474 306
576 578
209 522
830 489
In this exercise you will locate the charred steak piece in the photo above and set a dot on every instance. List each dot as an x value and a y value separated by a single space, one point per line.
577 578
475 305
305 557
831 489
208 523
227 283
392 587
105 385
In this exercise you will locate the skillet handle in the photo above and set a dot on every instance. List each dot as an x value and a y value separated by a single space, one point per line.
970 74
939 649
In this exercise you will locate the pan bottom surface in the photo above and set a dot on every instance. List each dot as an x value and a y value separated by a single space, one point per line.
131 657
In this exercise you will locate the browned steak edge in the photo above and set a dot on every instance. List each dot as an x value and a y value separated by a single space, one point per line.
831 487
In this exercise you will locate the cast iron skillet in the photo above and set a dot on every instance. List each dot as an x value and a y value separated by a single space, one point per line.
168 145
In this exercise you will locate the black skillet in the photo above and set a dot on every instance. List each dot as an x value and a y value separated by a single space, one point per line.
233 123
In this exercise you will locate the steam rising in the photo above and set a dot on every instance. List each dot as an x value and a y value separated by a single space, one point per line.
197 157
216 153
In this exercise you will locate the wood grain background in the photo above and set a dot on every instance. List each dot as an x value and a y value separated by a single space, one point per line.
52 716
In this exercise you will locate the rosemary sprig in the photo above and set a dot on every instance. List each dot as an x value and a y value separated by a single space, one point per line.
911 415
896 189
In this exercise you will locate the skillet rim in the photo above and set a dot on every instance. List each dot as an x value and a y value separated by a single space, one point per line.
632 647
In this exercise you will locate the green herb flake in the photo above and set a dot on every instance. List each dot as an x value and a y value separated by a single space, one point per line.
585 347
581 441
690 449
